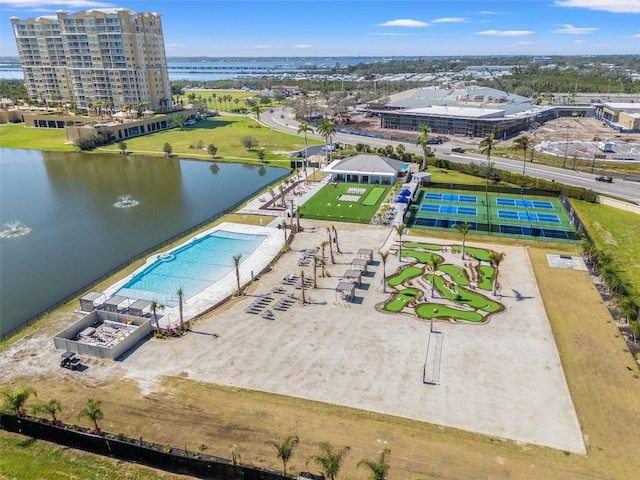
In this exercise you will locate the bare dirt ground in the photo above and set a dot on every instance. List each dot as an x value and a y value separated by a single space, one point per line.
169 391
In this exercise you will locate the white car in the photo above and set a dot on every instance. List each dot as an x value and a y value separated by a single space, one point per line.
190 122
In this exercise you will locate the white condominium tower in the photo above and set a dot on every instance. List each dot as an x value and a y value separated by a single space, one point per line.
110 57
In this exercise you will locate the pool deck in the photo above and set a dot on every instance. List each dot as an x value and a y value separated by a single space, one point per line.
493 379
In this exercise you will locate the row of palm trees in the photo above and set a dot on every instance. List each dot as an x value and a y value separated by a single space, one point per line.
329 460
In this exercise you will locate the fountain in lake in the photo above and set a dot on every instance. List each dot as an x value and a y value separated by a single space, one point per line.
126 201
13 229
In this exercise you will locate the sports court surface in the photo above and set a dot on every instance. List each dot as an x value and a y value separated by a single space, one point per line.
500 214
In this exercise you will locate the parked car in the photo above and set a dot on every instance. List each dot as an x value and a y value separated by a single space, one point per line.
190 122
604 178
434 141
458 150
329 148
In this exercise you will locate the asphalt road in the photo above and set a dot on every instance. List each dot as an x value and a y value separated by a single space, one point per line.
619 188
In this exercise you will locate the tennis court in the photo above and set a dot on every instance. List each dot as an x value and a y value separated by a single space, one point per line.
491 213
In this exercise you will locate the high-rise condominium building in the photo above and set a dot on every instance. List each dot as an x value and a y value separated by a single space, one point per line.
108 57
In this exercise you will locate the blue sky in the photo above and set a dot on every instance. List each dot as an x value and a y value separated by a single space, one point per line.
264 28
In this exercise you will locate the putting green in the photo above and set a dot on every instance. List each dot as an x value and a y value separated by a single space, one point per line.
486 273
422 257
405 274
423 246
374 196
458 294
477 253
400 299
456 273
435 310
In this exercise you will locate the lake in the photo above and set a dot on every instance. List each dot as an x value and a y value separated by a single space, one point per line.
88 213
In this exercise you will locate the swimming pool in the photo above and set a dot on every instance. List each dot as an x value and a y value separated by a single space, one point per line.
192 267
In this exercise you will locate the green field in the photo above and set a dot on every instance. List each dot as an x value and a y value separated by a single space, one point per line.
326 204
18 136
421 257
405 274
456 273
436 310
374 196
400 299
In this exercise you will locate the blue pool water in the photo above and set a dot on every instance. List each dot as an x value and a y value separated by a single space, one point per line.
192 267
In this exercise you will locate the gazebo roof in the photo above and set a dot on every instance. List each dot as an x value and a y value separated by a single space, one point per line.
346 287
366 164
116 300
91 296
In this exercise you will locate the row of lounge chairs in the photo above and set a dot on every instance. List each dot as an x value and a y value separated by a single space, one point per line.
283 304
259 304
308 283
290 279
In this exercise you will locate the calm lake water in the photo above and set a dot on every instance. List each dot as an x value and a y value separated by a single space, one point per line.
77 233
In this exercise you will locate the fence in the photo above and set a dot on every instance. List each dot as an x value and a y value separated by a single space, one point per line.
171 459
125 264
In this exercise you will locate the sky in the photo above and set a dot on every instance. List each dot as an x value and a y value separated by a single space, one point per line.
323 28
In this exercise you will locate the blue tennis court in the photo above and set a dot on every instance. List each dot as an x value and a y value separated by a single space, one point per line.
528 216
533 231
516 202
451 197
450 209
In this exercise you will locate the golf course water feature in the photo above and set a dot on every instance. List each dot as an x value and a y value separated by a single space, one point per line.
14 229
76 234
126 201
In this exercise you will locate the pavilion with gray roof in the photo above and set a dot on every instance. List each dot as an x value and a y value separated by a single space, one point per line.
363 168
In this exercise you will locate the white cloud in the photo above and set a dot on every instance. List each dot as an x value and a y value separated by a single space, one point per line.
571 30
260 46
637 35
303 45
389 34
489 12
48 5
450 20
525 43
578 41
406 22
505 33
612 6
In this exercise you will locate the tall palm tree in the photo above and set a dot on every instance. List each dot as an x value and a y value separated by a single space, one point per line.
305 128
330 459
15 400
380 468
434 262
463 228
51 407
257 110
180 294
383 257
303 300
323 245
421 141
400 230
284 449
155 306
316 261
92 412
236 264
327 129
335 238
523 143
495 258
330 246
487 144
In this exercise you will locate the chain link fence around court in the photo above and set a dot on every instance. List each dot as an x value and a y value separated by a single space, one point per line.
493 210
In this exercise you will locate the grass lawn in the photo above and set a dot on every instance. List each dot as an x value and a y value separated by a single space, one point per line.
16 135
436 310
325 204
225 133
615 232
405 274
400 299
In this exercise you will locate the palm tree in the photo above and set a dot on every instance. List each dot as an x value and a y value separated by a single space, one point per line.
523 143
487 144
379 468
335 238
284 449
15 400
434 262
155 306
495 258
316 261
327 129
257 110
92 411
330 246
383 257
421 141
400 230
302 298
51 407
180 294
463 228
236 264
283 226
305 128
323 245
330 459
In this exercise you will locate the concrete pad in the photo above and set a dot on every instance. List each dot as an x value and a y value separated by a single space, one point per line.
502 379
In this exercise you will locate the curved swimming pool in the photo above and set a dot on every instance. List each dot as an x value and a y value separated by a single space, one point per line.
191 267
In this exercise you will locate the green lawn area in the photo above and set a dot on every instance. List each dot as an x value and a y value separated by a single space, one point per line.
457 294
374 196
477 253
16 135
424 246
615 232
400 299
405 274
486 273
422 257
436 310
226 134
456 273
325 204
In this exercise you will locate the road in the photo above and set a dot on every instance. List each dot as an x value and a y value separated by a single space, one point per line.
281 119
